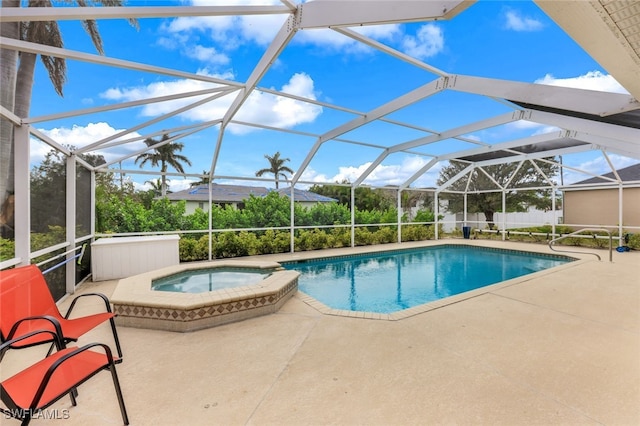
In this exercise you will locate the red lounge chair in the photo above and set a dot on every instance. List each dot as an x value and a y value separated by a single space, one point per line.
26 305
27 393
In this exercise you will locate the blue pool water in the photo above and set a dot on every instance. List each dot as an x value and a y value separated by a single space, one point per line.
392 281
211 279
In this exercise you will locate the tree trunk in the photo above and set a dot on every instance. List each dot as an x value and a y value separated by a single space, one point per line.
24 84
8 67
163 184
489 218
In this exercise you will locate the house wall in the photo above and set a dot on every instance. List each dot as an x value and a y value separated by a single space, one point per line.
512 220
600 207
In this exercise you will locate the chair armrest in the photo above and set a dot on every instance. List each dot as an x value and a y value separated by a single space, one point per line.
52 320
57 339
100 295
67 357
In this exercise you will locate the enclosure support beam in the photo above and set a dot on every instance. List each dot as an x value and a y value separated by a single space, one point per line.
620 214
280 41
92 207
42 49
504 214
22 215
353 216
436 211
292 222
70 266
349 13
399 215
210 189
465 209
555 213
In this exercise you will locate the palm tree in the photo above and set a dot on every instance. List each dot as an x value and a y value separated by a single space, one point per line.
277 167
156 186
206 179
17 73
165 155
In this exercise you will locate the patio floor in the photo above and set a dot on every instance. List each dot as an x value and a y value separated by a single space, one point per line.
553 348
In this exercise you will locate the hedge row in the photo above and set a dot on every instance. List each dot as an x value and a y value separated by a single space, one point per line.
244 243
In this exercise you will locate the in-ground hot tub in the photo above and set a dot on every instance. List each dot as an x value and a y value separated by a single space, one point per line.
188 307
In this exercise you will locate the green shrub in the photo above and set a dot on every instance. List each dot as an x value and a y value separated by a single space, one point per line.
363 237
249 243
229 245
413 232
267 242
7 249
339 237
311 240
634 241
202 247
384 235
187 249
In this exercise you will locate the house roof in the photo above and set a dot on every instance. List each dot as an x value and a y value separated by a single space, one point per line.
238 193
628 174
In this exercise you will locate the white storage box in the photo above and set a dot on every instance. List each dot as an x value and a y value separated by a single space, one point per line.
120 257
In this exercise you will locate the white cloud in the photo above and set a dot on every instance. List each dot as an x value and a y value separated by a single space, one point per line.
81 136
516 22
207 54
390 174
334 41
311 175
174 185
259 107
428 42
592 80
596 166
162 88
529 126
229 31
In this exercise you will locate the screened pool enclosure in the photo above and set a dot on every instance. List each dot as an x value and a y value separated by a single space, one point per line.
348 92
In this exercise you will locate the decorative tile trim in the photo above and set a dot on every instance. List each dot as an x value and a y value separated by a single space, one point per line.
421 249
232 309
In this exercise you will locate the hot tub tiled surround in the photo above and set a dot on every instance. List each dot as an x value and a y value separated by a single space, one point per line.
138 306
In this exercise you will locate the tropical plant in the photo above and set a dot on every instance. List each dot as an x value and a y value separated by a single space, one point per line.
18 68
164 154
205 180
502 175
156 186
365 198
276 167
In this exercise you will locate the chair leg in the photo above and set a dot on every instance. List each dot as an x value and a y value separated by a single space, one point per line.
26 419
73 395
116 384
53 345
115 338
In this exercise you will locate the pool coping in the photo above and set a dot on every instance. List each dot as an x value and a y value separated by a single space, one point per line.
436 304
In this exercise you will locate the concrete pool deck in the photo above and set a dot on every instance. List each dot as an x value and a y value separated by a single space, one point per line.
557 348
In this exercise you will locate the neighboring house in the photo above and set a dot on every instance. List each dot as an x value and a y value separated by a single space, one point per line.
234 195
596 201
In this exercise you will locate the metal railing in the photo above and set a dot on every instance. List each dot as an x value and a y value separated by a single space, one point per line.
579 252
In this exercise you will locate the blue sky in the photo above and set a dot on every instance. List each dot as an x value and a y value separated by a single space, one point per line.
505 40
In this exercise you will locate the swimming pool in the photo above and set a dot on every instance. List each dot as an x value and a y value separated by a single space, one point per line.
392 281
